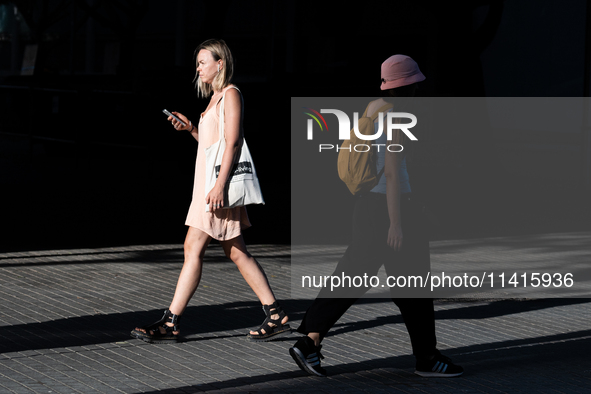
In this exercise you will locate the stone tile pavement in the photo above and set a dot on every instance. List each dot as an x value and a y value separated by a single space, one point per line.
65 317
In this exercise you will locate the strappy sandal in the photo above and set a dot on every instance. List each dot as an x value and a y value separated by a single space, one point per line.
153 334
272 327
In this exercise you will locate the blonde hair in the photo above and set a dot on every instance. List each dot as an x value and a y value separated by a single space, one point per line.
219 50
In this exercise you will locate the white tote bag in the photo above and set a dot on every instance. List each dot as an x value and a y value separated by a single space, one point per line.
242 187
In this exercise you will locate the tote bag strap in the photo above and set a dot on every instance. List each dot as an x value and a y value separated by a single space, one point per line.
222 112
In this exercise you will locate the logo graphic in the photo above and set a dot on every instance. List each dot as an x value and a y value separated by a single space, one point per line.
242 168
310 124
345 127
345 124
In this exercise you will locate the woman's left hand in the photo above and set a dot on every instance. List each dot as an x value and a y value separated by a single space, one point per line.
178 125
395 237
215 198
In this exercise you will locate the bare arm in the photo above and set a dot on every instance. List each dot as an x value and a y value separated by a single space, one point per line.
232 129
392 165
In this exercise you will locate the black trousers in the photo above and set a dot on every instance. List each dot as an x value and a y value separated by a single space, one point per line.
367 252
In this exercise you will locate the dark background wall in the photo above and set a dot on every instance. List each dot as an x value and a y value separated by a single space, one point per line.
88 159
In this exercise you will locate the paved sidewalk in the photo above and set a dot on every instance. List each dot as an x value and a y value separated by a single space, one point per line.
65 317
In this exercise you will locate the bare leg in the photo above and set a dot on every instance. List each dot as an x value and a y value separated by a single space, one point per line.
252 272
195 244
315 336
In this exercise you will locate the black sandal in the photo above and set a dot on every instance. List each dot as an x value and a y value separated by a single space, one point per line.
152 333
271 331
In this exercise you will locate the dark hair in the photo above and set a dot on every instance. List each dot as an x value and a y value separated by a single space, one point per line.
402 91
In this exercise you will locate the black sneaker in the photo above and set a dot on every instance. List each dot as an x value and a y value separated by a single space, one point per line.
438 367
307 356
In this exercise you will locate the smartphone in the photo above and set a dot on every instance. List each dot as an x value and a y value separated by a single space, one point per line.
174 116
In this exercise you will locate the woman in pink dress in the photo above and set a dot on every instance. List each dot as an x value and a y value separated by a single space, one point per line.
213 77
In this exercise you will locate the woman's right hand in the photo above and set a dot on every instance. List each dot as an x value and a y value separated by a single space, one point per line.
178 125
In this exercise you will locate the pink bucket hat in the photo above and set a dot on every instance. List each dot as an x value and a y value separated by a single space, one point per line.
400 70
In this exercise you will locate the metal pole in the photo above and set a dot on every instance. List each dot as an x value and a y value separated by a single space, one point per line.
90 42
180 34
72 32
290 10
586 129
14 45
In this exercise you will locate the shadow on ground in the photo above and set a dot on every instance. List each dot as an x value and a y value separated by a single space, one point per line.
491 368
224 318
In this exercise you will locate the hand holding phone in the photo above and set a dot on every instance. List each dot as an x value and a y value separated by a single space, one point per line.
174 117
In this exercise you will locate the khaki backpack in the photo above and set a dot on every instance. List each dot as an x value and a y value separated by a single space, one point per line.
359 169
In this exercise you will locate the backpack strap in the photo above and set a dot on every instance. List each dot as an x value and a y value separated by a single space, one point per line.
373 119
377 113
365 112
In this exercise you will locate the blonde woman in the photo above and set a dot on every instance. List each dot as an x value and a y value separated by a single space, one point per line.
214 70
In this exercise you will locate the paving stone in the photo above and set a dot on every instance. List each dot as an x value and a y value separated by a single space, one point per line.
65 318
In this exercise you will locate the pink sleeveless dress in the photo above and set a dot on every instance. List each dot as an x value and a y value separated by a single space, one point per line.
224 224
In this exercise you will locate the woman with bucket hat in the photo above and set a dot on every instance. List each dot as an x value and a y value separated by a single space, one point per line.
387 230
